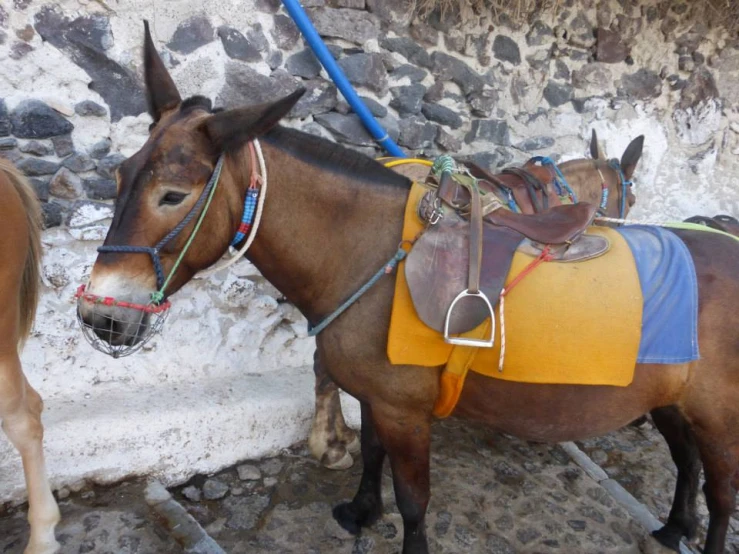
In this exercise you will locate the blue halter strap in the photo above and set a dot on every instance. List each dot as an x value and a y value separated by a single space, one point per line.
616 166
560 182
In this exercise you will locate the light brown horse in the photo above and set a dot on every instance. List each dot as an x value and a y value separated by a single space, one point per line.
20 404
331 441
332 218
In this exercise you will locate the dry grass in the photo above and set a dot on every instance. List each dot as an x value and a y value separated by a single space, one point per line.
714 12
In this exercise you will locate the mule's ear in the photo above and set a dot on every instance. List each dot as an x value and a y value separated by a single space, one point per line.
230 130
161 92
631 156
595 150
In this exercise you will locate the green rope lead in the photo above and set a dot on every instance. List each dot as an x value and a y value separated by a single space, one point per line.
384 270
443 164
158 296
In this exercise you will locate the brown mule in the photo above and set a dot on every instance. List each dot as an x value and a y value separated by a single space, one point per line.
331 441
20 404
332 218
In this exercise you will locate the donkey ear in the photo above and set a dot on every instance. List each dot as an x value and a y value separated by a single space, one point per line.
631 156
595 150
230 130
161 92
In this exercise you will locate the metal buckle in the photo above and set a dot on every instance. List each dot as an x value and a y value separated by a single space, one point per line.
464 341
429 212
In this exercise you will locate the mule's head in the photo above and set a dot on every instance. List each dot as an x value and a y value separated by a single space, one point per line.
164 187
615 172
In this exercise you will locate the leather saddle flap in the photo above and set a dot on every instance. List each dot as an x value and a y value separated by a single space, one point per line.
436 272
554 226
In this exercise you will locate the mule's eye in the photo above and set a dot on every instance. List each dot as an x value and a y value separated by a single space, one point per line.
173 198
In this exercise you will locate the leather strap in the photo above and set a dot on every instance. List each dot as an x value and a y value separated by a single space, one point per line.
473 281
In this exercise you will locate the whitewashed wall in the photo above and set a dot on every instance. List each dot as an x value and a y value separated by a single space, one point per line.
229 378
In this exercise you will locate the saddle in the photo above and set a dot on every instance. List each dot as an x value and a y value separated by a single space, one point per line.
725 223
457 268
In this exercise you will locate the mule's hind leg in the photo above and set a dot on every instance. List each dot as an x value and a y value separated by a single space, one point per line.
720 463
20 411
330 439
683 519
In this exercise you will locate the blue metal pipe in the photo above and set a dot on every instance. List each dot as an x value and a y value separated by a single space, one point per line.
313 39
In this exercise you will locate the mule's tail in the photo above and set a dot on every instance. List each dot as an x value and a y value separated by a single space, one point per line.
30 280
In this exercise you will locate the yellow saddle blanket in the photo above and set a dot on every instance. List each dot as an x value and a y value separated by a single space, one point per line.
565 323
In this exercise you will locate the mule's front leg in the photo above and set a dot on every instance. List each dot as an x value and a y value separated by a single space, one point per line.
331 441
406 437
366 508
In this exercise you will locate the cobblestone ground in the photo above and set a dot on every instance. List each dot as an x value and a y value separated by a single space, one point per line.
490 494
639 460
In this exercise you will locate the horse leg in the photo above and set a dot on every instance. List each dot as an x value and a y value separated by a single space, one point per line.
406 436
683 519
20 411
720 469
366 507
326 441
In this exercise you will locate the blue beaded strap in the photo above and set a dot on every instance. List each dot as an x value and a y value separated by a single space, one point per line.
250 207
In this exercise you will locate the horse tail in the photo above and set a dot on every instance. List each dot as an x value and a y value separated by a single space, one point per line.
30 279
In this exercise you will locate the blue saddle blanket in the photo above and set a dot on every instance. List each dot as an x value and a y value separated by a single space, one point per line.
670 289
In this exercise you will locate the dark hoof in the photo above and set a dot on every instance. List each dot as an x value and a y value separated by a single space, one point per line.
353 519
669 537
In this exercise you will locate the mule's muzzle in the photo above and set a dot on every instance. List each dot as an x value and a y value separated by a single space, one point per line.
118 328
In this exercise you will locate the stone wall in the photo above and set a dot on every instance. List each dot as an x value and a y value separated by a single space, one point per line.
72 107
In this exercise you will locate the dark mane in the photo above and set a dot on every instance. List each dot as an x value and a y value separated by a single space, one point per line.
334 157
196 102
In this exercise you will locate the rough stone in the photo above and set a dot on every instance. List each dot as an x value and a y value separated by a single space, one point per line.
448 141
557 93
701 87
415 74
562 71
237 46
8 143
407 99
352 4
539 33
86 212
90 108
191 34
483 103
506 49
4 119
441 114
36 148
20 50
449 68
248 472
285 32
641 85
35 119
63 145
593 75
34 167
409 49
416 132
66 185
192 493
492 161
107 166
535 143
352 25
320 97
365 70
303 64
41 188
100 189
245 86
611 49
245 510
489 130
347 128
53 214
100 149
79 163
377 109
85 40
495 544
213 489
